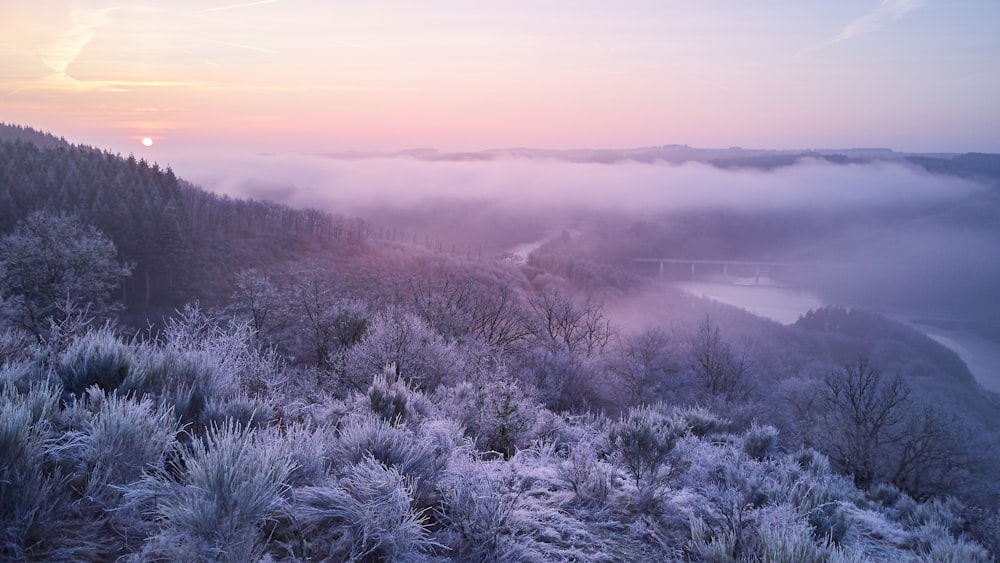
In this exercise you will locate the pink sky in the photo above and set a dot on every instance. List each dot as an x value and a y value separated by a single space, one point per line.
281 75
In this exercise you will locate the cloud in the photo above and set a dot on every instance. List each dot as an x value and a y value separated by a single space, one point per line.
886 12
71 43
231 7
242 46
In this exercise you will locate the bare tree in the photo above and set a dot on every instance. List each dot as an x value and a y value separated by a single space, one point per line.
723 368
257 295
864 415
643 362
559 323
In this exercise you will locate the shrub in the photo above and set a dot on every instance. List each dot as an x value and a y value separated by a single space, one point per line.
388 396
245 410
407 342
759 442
412 456
785 538
828 522
643 439
231 486
702 422
183 379
37 520
497 413
370 515
479 511
97 358
589 478
127 437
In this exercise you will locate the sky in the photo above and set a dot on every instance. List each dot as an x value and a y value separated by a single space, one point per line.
211 77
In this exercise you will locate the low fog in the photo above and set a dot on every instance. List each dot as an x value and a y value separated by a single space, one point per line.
884 235
528 184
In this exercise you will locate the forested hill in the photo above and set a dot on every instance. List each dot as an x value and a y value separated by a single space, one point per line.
185 243
11 132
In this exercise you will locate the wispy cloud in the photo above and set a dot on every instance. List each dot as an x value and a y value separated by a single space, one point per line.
71 43
242 46
232 7
885 13
63 82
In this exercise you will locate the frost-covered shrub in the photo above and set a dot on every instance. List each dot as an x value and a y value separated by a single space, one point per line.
760 441
413 456
245 410
232 485
127 437
710 545
642 439
183 379
497 413
370 515
15 346
309 447
828 522
37 520
96 358
402 339
590 479
785 538
229 345
938 545
19 376
702 422
388 395
480 502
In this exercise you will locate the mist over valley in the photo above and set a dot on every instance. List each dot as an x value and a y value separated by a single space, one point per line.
468 282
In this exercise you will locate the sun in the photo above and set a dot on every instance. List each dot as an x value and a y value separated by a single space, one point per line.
147 142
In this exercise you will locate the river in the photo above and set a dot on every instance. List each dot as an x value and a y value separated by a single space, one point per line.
784 305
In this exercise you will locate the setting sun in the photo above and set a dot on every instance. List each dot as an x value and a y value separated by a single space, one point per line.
147 142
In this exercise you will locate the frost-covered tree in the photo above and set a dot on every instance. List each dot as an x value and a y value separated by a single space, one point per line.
51 264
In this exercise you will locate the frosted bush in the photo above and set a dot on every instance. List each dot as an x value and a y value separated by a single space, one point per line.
702 422
479 509
785 538
127 437
37 519
590 479
939 546
231 487
642 440
309 447
414 457
369 515
388 396
497 413
96 358
399 338
245 410
760 441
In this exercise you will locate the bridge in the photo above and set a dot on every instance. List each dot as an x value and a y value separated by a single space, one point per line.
757 267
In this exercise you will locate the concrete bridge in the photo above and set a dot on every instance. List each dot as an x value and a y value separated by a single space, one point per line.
756 267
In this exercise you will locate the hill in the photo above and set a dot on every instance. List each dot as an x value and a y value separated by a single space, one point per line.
184 242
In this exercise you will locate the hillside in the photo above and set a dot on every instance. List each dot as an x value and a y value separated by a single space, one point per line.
184 242
339 395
